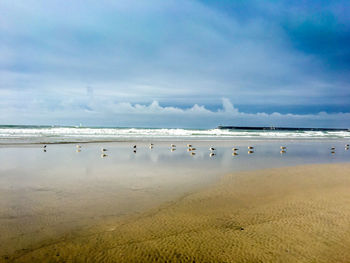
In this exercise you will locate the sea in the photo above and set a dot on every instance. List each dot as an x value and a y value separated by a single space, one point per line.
12 134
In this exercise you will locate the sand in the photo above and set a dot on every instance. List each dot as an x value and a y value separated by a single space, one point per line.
293 214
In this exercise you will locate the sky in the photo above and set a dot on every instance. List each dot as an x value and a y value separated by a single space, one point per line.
167 63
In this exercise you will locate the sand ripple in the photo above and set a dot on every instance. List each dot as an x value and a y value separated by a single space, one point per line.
297 214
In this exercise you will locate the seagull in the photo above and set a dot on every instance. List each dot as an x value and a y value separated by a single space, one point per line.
211 149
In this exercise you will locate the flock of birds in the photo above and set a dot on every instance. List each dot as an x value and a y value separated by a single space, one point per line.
192 150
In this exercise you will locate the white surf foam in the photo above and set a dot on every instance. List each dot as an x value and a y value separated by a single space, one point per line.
57 134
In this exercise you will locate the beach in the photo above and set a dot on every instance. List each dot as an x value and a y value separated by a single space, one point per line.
292 214
174 131
155 204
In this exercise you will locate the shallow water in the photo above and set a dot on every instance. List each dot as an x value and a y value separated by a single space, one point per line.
47 194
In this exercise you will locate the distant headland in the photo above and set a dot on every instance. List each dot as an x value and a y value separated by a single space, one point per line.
280 128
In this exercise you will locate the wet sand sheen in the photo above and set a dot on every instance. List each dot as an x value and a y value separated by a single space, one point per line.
294 214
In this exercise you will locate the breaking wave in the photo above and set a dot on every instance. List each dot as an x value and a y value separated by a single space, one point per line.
39 134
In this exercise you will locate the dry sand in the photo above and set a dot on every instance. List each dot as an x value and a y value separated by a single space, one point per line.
294 214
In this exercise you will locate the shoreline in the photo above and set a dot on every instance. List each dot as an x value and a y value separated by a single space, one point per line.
241 140
296 213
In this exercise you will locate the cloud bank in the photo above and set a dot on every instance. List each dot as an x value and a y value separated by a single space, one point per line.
90 111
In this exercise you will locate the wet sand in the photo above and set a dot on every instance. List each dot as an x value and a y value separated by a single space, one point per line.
293 214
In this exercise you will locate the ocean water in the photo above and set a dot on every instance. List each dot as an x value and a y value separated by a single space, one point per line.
48 134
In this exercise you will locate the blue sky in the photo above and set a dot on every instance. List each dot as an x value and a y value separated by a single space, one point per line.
175 63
